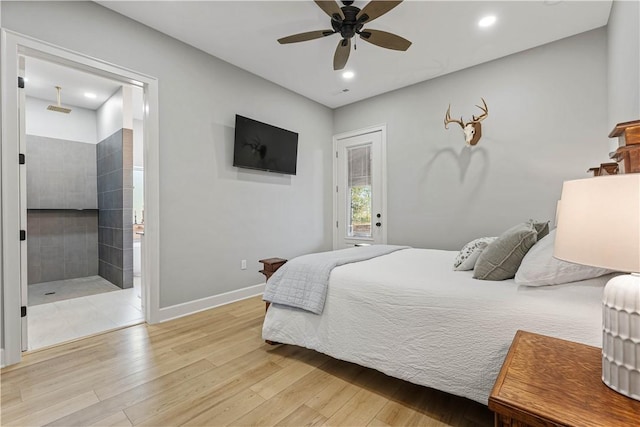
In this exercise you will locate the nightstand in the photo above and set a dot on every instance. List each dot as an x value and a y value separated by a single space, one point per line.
547 381
270 265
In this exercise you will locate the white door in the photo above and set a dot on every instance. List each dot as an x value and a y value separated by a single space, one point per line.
360 207
24 289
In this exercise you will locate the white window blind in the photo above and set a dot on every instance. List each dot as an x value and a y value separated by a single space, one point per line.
360 166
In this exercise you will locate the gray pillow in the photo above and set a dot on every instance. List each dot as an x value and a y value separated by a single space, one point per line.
469 254
501 259
542 228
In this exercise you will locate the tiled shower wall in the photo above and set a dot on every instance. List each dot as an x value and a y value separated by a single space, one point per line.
62 244
62 216
61 174
115 204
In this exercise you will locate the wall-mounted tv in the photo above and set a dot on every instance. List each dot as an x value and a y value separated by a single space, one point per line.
261 146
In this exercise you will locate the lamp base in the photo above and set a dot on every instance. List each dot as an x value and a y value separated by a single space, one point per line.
621 335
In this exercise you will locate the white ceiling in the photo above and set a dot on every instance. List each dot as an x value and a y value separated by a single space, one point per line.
445 37
43 76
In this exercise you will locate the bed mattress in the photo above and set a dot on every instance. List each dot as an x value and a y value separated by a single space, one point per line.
410 316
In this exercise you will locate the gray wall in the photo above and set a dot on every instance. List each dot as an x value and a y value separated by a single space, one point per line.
211 214
61 174
547 123
62 244
61 178
623 63
115 201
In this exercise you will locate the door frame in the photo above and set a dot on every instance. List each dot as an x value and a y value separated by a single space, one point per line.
14 45
382 128
22 147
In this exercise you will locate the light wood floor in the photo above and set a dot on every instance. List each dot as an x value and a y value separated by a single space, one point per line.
211 369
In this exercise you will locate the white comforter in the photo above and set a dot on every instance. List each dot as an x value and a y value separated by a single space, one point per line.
409 315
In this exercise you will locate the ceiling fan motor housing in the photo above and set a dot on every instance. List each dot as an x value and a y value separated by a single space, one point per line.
350 25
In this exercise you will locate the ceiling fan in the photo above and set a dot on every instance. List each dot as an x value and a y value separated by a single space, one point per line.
348 21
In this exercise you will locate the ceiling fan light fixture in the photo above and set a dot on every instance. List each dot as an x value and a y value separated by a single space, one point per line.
348 75
487 21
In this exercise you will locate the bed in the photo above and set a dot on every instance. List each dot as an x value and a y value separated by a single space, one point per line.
410 316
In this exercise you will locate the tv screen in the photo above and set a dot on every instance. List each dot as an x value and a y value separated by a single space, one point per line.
261 146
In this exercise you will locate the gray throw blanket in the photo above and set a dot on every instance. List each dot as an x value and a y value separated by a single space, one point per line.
303 281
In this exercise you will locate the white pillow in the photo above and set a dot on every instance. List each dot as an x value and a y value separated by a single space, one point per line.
540 268
468 255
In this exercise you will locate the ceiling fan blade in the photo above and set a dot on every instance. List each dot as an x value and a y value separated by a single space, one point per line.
384 39
342 54
375 9
303 37
331 8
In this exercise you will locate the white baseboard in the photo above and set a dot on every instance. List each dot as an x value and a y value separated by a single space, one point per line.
191 307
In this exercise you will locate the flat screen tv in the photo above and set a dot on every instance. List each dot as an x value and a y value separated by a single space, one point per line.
261 146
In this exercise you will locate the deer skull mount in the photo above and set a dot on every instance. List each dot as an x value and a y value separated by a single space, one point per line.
473 129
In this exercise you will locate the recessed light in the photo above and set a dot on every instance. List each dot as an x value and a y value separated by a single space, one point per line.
90 95
348 75
487 21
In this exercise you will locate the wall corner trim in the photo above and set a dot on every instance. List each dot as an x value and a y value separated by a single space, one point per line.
192 307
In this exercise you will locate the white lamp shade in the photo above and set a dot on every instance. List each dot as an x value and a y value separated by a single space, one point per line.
599 222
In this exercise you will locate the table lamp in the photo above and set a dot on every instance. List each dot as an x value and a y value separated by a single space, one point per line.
599 225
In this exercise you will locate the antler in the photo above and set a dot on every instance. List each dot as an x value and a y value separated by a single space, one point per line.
485 112
448 119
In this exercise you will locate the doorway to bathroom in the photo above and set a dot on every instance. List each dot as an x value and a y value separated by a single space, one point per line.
84 185
13 195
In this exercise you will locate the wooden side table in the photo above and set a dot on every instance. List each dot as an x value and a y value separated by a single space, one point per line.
547 381
270 265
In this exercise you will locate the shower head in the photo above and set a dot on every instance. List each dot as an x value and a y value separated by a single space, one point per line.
59 108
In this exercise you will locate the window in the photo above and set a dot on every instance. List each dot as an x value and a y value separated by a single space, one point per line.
359 191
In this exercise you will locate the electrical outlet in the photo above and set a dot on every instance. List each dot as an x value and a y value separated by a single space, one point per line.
243 264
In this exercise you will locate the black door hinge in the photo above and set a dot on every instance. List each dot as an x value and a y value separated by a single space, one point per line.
23 235
21 82
21 159
23 311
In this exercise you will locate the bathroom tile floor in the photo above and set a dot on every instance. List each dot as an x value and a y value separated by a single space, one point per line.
65 320
46 292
